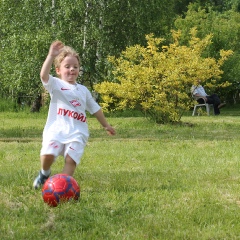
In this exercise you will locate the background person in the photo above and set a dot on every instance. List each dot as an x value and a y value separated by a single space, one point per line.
201 96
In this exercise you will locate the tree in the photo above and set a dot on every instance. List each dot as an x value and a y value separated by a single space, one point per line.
225 28
220 5
157 79
94 28
23 39
27 29
111 26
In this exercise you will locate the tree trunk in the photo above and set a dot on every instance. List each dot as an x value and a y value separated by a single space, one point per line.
36 105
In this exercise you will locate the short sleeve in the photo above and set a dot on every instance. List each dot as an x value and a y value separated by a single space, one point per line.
49 85
91 105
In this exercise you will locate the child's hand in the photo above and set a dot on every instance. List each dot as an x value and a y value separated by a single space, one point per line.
55 48
110 130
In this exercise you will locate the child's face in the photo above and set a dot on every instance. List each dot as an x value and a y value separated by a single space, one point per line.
69 69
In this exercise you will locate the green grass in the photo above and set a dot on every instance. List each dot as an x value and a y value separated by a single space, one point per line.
147 182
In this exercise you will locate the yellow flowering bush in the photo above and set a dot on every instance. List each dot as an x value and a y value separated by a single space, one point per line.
157 79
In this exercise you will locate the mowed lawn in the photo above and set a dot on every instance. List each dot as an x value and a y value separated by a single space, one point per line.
148 182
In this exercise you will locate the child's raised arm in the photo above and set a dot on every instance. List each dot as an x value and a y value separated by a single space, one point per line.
54 50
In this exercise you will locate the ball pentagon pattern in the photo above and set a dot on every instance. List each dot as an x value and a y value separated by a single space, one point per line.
60 188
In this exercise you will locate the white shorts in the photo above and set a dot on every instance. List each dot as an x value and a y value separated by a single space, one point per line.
74 149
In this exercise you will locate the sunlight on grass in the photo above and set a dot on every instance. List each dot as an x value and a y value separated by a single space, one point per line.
147 182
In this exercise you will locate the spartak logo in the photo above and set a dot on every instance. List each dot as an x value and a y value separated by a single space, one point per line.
75 103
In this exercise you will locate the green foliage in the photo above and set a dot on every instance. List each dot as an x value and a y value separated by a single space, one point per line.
220 5
27 29
224 27
157 79
94 28
111 26
7 105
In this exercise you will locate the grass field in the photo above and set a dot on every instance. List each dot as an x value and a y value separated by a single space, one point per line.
147 182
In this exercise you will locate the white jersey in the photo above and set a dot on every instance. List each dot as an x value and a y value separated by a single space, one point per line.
66 120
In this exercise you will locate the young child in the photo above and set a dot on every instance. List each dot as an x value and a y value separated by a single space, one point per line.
66 129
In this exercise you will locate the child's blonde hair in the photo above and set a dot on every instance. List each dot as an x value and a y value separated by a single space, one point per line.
66 51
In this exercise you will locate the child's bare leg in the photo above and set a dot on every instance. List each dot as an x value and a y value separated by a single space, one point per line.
47 161
44 173
70 166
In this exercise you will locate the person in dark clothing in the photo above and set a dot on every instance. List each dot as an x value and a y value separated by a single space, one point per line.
201 96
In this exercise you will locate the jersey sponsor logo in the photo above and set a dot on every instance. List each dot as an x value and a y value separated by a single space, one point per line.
63 89
75 103
72 114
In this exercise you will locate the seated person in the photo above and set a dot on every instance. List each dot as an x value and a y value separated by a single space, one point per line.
201 96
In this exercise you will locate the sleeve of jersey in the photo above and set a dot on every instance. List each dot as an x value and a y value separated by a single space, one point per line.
49 85
91 105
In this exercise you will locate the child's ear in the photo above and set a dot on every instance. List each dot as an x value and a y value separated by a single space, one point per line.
57 71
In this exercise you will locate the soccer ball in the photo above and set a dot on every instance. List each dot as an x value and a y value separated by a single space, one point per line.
60 188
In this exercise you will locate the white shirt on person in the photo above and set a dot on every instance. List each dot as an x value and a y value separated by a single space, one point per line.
198 90
66 121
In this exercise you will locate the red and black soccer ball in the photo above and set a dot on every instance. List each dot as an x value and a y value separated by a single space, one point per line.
60 188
